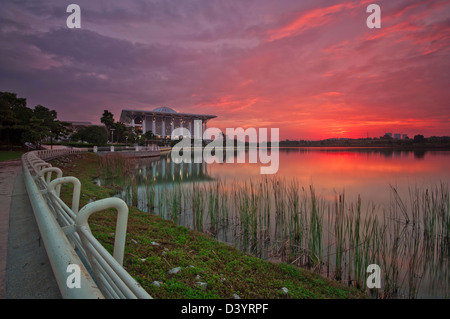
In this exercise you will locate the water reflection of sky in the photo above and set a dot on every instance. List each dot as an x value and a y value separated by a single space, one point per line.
365 172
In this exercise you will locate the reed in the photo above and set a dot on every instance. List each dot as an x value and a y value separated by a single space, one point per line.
197 207
339 236
315 231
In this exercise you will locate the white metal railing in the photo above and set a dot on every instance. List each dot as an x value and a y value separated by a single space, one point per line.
67 237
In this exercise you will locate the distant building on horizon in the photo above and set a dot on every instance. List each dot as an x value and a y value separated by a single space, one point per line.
163 120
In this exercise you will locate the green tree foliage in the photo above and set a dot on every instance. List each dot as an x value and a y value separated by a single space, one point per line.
149 135
91 134
14 118
48 125
108 119
122 133
19 124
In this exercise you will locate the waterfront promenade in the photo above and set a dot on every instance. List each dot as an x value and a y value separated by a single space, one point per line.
25 271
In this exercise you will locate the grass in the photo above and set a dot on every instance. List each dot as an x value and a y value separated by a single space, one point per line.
156 245
9 155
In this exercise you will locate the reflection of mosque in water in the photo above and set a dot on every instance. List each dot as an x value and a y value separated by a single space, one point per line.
154 185
166 170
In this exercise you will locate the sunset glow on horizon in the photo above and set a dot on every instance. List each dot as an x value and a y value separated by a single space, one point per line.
313 69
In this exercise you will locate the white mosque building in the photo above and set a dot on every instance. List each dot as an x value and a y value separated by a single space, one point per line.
163 120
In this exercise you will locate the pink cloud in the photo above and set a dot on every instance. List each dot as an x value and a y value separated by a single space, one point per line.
305 21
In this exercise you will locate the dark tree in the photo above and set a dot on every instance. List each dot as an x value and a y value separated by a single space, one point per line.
91 134
120 132
419 138
107 119
14 119
19 124
149 135
49 126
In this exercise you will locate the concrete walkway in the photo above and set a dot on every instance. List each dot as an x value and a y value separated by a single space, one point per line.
25 271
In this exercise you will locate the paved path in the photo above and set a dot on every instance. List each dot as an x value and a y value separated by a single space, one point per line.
25 271
8 173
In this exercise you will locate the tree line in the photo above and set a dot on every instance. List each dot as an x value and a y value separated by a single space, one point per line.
20 124
113 131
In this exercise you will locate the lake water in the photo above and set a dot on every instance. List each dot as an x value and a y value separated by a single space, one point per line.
367 172
232 202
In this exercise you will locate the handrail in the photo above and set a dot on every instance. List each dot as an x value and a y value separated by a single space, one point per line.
67 237
49 171
53 187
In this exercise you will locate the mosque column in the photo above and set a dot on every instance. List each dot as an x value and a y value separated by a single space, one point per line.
172 126
144 126
198 126
153 125
195 129
163 128
203 127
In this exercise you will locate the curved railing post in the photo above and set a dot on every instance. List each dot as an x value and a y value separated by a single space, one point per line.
53 187
49 171
121 224
38 165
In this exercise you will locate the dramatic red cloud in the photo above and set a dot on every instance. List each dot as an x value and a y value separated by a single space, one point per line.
357 84
311 19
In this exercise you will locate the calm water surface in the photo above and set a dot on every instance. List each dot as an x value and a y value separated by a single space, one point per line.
355 171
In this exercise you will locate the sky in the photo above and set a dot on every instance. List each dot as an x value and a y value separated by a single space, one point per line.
311 68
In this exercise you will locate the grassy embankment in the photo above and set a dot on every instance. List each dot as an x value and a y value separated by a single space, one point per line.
10 155
155 246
